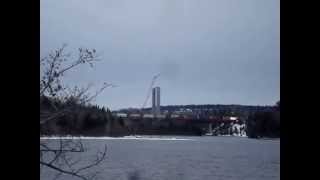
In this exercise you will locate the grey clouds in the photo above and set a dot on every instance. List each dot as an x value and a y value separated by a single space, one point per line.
207 51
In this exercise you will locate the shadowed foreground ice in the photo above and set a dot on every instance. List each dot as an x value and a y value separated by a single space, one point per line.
194 158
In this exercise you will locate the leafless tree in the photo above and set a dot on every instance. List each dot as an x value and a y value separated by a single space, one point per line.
60 157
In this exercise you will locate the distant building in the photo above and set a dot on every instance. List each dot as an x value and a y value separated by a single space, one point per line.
148 116
233 118
156 101
123 115
175 116
135 115
230 118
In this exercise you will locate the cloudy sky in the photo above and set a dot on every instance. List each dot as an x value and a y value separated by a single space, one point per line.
207 51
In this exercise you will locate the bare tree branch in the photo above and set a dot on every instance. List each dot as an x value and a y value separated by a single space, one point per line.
61 155
53 68
62 170
96 162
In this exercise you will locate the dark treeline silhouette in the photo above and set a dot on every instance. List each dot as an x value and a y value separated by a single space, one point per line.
264 124
79 120
165 126
92 120
212 109
261 121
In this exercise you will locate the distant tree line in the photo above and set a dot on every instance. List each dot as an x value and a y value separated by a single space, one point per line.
260 121
214 109
80 119
169 126
264 124
93 120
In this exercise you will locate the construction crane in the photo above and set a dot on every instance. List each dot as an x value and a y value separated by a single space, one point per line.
150 89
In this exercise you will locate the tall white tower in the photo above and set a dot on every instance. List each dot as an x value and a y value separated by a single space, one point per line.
156 101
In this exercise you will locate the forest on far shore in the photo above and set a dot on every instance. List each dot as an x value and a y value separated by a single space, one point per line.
92 120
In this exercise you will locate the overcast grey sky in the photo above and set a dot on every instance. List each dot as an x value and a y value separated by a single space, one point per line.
207 51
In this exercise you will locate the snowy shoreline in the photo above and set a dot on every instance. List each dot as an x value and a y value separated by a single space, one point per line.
228 135
138 137
116 138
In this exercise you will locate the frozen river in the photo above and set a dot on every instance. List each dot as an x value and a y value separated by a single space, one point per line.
185 158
